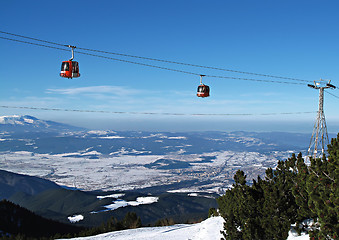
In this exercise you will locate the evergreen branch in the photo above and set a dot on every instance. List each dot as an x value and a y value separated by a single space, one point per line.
328 176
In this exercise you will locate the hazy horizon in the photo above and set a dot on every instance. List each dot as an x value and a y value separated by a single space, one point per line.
194 124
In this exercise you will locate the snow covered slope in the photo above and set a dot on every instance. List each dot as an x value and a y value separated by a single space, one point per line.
206 230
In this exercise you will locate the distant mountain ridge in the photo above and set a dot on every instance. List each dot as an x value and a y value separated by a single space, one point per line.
49 200
30 123
11 183
21 120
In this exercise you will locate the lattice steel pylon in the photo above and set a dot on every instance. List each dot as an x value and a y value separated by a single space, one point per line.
319 139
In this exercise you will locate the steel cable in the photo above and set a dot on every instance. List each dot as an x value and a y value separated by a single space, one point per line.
161 60
153 66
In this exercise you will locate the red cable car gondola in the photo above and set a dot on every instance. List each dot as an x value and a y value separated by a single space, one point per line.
203 90
70 68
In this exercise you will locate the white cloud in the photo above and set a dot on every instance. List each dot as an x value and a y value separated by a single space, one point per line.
114 90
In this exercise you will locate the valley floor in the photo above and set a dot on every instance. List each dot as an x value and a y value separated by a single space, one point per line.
128 172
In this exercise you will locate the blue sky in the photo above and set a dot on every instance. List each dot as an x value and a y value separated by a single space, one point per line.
297 39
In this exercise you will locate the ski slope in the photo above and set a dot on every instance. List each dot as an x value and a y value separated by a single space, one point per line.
206 230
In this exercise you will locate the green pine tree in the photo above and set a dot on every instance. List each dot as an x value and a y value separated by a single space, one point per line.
264 210
231 207
289 194
279 208
301 196
323 192
131 220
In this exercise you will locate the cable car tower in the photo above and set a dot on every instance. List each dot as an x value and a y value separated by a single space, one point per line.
319 139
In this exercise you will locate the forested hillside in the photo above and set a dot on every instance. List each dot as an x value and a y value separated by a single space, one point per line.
18 221
291 193
11 183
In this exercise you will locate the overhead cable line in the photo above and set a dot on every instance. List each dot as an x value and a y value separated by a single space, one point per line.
195 65
332 94
191 73
154 113
153 66
36 44
35 39
162 60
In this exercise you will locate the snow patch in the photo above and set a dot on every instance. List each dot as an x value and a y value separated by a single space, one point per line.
192 194
75 218
111 137
292 235
177 138
116 195
27 120
100 132
122 203
91 153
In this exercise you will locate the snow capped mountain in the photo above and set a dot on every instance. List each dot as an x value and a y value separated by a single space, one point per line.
23 120
29 123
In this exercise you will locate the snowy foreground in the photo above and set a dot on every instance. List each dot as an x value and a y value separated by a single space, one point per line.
206 230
